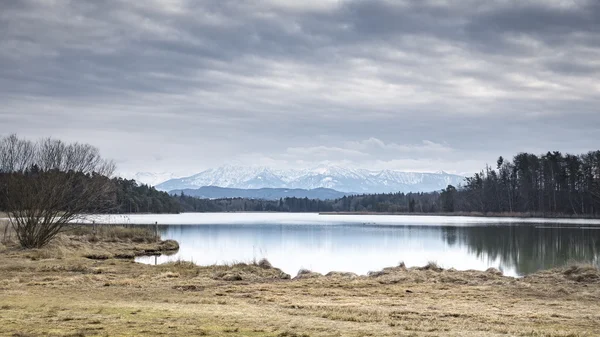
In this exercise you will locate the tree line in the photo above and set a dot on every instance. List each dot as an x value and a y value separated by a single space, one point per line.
119 196
388 203
131 197
193 204
551 184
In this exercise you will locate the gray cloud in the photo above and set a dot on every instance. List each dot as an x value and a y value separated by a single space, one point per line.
184 85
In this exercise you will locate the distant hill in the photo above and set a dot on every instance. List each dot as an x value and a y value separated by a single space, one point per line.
332 177
213 192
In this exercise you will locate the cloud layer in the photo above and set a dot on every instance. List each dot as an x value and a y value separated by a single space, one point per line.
185 85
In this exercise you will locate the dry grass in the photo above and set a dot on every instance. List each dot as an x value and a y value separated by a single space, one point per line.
113 233
100 233
62 293
101 243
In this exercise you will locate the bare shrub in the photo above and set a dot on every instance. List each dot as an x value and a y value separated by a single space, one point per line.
47 184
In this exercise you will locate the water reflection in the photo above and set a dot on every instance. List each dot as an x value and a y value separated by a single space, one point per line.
516 249
526 248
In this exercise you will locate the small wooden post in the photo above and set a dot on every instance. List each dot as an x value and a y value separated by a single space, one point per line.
94 227
156 230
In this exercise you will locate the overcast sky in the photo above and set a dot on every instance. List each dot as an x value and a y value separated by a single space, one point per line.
181 86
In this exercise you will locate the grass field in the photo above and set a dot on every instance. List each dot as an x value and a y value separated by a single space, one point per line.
58 291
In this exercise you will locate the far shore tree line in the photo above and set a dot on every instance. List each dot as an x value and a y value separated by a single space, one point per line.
552 183
548 185
47 184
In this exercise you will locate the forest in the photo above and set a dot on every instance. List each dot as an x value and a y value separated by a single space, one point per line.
122 195
552 183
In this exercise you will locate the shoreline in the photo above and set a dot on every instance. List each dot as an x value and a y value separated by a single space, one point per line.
473 214
440 214
528 217
325 218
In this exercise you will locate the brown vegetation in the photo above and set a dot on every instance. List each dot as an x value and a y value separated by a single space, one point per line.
58 291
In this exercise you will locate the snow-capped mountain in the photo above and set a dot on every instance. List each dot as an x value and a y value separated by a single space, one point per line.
213 192
150 178
337 178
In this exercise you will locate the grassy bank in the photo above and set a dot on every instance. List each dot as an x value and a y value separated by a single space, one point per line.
63 291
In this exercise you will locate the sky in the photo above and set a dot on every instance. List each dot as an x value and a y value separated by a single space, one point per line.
181 85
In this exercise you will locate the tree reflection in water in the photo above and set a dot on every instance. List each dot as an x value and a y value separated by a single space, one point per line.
528 248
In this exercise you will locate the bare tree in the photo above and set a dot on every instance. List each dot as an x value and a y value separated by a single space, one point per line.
48 184
16 155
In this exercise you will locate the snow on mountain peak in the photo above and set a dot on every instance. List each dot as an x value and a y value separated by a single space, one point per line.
334 177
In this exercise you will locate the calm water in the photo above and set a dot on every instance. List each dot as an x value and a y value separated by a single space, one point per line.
360 244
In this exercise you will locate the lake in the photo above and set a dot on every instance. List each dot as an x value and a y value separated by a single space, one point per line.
363 243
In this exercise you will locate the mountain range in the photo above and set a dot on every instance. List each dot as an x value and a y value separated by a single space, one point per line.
213 192
331 177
